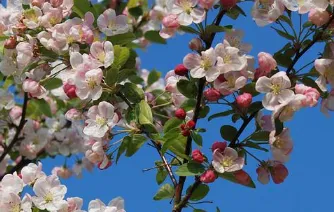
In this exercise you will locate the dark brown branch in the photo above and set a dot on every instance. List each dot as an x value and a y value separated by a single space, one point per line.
18 130
316 39
184 201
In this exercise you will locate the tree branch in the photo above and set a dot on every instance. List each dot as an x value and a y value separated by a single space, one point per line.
18 130
184 201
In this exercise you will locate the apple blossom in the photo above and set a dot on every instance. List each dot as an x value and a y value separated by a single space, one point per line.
276 88
326 71
318 17
110 24
11 183
188 12
6 100
212 94
266 62
312 95
234 38
305 5
244 100
285 111
227 161
14 203
327 104
197 156
88 84
31 173
116 205
281 145
220 146
32 17
103 52
268 11
229 82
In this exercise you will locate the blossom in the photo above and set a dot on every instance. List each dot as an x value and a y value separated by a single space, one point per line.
103 52
25 53
286 110
234 38
276 89
227 161
276 169
12 202
33 143
187 12
31 172
244 100
88 84
11 183
110 24
327 104
208 176
101 118
32 17
305 5
312 95
281 145
35 89
49 193
265 12
115 205
318 17
266 62
325 67
229 82
6 100
202 66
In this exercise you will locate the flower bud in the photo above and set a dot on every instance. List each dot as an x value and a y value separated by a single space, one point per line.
195 44
279 172
206 4
62 172
219 145
180 113
318 17
212 94
208 176
56 3
191 124
106 163
73 114
266 62
227 4
242 177
33 88
170 21
10 43
197 156
38 3
15 113
244 100
263 175
70 90
181 70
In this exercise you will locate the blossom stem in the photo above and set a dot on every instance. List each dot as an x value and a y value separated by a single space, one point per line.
18 129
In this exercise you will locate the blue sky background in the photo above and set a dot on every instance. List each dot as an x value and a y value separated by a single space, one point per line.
308 187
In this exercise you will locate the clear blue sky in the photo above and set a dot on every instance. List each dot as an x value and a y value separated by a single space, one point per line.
308 187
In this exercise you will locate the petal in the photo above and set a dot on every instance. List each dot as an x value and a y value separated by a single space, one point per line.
184 19
270 101
263 85
192 61
285 96
197 72
106 109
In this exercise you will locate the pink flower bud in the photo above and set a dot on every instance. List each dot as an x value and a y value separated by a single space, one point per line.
15 113
259 73
219 145
10 43
195 44
106 163
206 4
212 94
266 62
56 3
180 113
244 100
242 177
36 125
208 176
227 4
170 21
62 172
318 17
197 156
181 70
37 3
70 90
312 95
73 115
263 175
279 172
33 88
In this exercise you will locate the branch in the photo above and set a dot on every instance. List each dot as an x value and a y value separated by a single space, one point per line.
316 39
18 130
184 201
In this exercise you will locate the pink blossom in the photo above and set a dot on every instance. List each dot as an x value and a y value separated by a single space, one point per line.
266 62
318 17
208 176
34 88
170 21
281 145
227 161
244 100
312 95
110 24
62 172
212 94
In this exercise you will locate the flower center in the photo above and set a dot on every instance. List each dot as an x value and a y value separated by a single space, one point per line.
111 24
227 59
48 198
16 208
235 42
206 64
31 15
276 89
35 141
279 143
227 162
100 121
186 6
101 56
91 82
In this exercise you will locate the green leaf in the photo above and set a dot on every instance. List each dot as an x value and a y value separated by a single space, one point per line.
228 132
284 34
250 88
134 144
52 83
125 73
153 77
187 88
197 138
214 28
279 126
42 106
253 145
190 169
111 76
189 104
235 117
221 114
286 20
198 210
171 124
161 176
235 12
217 209
165 192
132 92
145 113
136 11
260 136
200 192
121 56
255 107
122 39
154 37
81 7
204 112
122 148
189 29
230 176
282 60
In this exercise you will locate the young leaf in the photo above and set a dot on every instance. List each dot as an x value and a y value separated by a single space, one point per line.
221 114
111 76
52 83
187 88
122 39
253 145
44 107
161 176
190 169
165 192
228 132
197 138
260 136
154 37
134 143
171 124
145 113
200 192
132 92
153 77
121 56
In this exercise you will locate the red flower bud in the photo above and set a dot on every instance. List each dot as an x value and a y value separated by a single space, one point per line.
70 90
191 124
197 156
279 172
219 145
103 166
180 113
208 177
181 70
242 177
10 43
185 133
195 44
212 94
227 4
244 100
